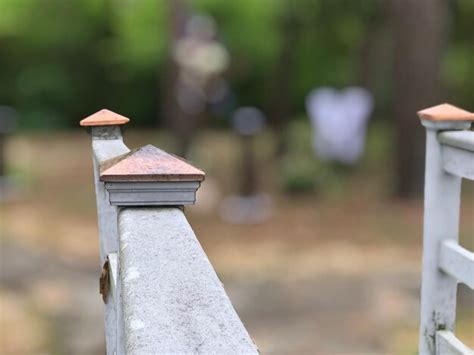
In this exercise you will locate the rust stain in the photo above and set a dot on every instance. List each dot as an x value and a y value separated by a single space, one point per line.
151 164
104 284
104 118
445 112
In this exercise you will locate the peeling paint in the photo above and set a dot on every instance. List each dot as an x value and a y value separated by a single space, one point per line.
132 274
136 324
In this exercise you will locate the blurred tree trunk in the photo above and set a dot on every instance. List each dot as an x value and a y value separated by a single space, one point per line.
175 119
103 80
280 98
2 155
372 52
248 181
420 28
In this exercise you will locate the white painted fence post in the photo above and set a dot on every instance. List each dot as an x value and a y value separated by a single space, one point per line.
441 222
107 144
162 294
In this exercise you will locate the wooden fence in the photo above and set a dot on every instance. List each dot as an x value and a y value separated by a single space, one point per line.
160 291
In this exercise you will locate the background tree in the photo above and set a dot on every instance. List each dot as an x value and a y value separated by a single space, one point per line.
420 31
181 123
280 103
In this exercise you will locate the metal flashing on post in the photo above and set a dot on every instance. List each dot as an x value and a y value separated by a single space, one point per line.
104 125
445 113
104 118
445 117
149 176
152 193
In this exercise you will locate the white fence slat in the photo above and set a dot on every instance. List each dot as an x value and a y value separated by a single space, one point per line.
441 222
457 262
115 299
459 139
449 158
107 143
458 161
448 344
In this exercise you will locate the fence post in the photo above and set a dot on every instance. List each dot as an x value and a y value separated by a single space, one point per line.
107 144
441 222
162 294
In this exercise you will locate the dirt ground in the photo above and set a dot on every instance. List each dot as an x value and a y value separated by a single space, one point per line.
331 273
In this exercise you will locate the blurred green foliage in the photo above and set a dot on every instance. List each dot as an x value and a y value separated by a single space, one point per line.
298 171
61 60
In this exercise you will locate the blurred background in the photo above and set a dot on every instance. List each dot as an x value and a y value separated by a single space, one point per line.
303 115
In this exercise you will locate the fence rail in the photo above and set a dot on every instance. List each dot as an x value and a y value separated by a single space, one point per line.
172 300
448 344
457 262
449 158
457 151
160 290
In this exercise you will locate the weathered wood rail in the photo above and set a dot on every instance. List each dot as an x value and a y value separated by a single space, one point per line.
449 159
160 291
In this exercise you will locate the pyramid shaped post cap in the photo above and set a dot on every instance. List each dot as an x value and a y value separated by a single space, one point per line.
104 118
445 113
150 164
